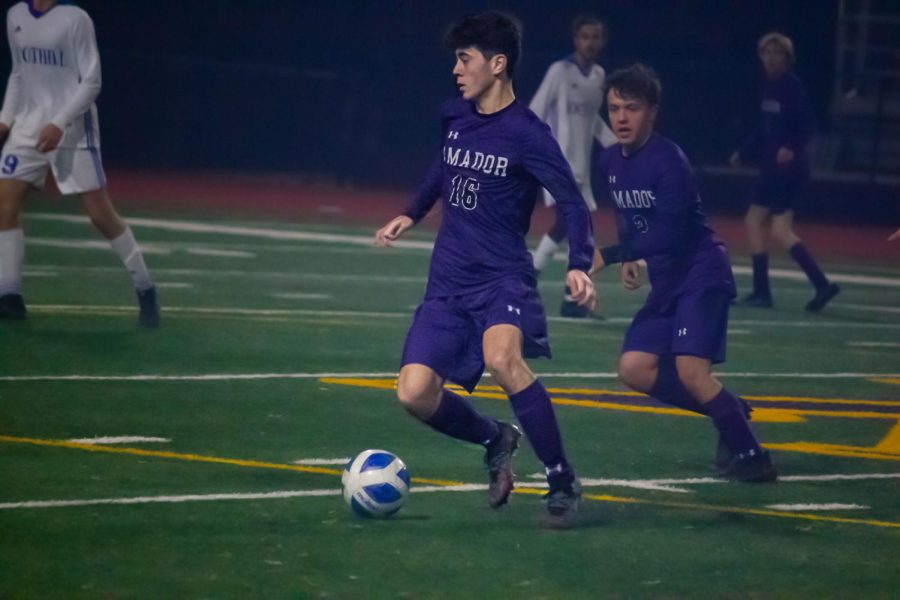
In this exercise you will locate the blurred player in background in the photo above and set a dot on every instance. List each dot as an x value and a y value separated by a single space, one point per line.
481 306
681 330
49 122
569 100
778 147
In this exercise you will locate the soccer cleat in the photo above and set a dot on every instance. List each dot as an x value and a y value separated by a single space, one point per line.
562 503
757 300
724 455
498 457
12 307
823 296
571 310
149 316
752 469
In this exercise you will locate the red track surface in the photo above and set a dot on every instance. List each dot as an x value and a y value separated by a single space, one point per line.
267 197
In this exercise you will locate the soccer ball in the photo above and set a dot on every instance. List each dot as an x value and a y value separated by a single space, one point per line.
376 483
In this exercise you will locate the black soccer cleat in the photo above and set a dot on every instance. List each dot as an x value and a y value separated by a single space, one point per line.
570 309
823 297
149 316
724 455
755 300
562 500
498 457
752 469
12 307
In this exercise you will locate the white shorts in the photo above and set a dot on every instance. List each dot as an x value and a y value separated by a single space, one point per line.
76 170
586 192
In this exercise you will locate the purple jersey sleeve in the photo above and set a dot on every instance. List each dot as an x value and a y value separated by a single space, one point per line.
544 160
428 193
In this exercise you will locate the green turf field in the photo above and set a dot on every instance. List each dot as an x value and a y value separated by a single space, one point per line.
278 345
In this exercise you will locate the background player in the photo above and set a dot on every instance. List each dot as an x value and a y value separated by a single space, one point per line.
49 122
778 147
569 100
681 330
481 306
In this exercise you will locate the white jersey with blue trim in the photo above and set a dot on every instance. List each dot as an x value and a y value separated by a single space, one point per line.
55 75
569 100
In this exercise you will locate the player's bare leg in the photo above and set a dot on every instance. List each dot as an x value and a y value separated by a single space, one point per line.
421 391
502 345
106 219
783 233
752 464
12 248
758 224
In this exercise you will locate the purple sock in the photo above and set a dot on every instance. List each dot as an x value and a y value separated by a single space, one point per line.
458 419
727 412
816 277
535 413
668 387
761 275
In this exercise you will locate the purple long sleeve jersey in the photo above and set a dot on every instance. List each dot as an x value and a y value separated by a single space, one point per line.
659 219
787 120
488 174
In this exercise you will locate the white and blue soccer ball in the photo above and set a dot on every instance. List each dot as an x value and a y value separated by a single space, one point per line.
376 483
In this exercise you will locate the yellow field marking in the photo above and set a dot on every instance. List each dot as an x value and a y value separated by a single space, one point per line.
889 380
195 458
835 450
437 482
890 442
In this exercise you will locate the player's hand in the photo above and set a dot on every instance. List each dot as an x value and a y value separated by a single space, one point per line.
630 275
582 288
49 138
597 264
785 156
4 133
894 236
735 159
392 231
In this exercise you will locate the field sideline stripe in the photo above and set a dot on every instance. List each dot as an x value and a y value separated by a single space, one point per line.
367 240
441 483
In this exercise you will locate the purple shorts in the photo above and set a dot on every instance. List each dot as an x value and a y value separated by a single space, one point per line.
779 192
446 333
694 324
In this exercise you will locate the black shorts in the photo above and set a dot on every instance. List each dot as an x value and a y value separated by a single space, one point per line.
779 192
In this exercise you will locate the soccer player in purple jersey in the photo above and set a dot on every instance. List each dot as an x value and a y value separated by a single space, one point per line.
481 306
681 330
778 147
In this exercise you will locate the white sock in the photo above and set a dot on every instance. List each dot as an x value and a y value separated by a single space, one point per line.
127 249
544 252
12 255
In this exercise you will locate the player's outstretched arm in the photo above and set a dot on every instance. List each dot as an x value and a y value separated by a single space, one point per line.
392 231
582 288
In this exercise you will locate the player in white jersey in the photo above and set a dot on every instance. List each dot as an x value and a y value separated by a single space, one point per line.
569 101
49 122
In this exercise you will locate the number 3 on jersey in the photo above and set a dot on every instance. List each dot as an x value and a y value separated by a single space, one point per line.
464 192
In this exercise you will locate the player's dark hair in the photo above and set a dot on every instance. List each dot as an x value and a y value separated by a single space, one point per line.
582 20
491 33
637 81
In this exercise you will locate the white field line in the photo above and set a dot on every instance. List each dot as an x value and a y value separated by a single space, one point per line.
301 296
890 310
471 487
285 312
175 285
366 240
322 461
627 483
874 344
36 273
121 439
80 244
392 374
823 507
220 253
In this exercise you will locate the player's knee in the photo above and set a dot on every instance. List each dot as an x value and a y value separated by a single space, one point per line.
693 375
634 373
501 364
417 394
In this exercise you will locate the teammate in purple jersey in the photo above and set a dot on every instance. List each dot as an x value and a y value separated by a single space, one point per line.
681 330
481 306
778 147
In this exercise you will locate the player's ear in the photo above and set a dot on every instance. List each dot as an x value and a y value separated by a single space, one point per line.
498 64
654 111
